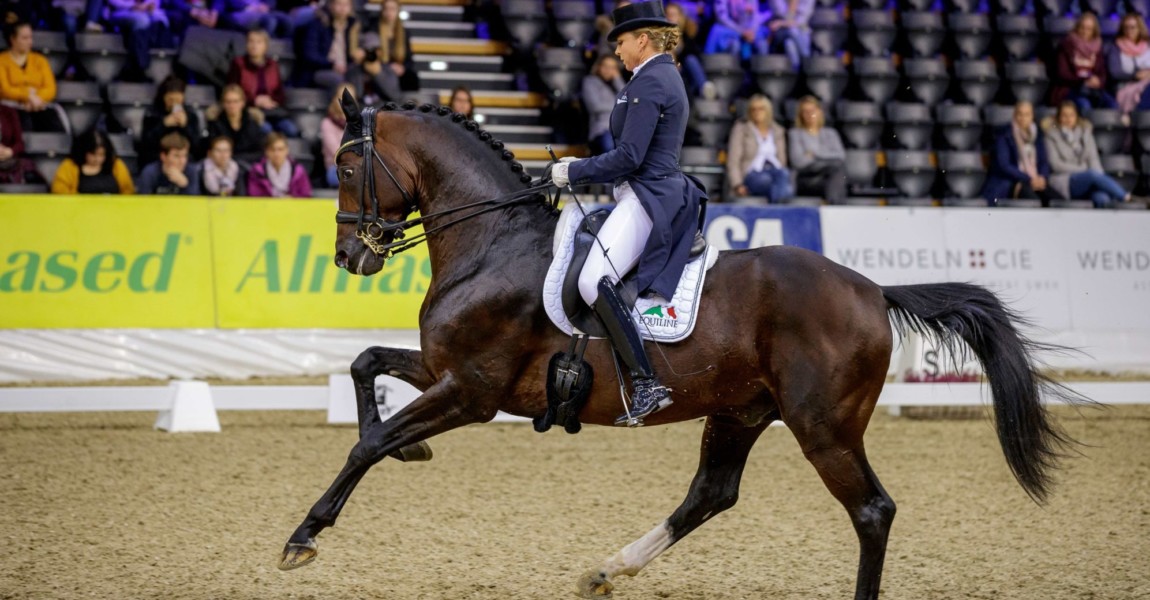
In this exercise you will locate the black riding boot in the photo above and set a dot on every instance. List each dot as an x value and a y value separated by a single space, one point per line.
648 396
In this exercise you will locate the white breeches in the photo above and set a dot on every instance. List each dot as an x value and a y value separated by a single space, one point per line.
623 235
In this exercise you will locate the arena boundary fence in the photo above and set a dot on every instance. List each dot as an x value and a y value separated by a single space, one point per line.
191 406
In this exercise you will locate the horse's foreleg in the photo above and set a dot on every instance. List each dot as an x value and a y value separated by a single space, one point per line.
726 444
405 365
437 410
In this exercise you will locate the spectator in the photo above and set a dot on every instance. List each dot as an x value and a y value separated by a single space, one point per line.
93 168
462 102
14 167
173 174
790 25
331 135
1076 169
386 60
259 76
220 175
324 52
243 15
740 27
817 154
600 88
757 154
686 53
168 114
234 119
277 175
1080 71
185 13
142 23
27 83
603 25
69 16
1130 64
1019 167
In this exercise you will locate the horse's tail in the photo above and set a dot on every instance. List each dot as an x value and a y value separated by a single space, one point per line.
1032 443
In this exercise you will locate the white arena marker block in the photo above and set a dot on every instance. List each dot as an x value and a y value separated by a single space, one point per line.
391 395
192 409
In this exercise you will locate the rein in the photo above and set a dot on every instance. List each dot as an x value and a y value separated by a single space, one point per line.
371 230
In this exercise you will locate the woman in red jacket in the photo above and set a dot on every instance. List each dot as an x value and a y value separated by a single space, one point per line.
1080 68
259 76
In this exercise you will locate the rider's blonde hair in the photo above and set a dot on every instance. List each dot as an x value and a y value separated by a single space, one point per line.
663 38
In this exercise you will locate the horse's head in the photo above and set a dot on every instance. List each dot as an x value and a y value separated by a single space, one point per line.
373 200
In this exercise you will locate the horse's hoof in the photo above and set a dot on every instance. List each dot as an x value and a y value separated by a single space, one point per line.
594 584
298 555
417 452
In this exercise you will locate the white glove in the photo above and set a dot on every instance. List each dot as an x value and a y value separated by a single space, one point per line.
568 159
559 174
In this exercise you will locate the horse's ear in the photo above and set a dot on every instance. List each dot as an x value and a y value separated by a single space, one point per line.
350 106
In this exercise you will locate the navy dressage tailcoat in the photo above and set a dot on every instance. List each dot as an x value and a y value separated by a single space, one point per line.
648 124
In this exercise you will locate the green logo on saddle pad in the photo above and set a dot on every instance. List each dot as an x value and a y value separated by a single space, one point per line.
659 316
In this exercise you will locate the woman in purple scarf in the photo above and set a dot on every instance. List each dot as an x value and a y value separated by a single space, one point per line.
1080 71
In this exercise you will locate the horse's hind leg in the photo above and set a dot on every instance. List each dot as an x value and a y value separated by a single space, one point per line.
405 365
726 444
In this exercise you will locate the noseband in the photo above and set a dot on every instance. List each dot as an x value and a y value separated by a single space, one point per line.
371 228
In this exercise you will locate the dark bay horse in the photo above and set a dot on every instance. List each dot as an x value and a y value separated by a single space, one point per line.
784 335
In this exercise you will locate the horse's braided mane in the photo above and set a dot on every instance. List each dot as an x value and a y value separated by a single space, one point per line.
469 125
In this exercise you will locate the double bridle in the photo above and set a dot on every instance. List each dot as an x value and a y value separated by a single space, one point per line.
370 229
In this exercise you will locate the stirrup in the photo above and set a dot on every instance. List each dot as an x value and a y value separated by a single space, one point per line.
649 398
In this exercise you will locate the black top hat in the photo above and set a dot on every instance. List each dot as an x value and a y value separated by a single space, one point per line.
637 16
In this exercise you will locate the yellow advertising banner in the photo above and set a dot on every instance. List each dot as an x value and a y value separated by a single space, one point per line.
274 267
112 261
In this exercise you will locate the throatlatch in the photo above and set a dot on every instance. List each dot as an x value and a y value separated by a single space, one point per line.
569 379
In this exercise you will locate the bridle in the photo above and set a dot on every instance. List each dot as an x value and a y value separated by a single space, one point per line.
371 228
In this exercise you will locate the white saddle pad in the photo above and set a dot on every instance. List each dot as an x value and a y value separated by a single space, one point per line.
657 321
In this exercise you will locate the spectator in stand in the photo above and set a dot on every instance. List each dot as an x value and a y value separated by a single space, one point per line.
220 174
1076 169
740 27
603 25
1130 64
600 88
27 83
93 168
277 175
324 52
142 23
259 76
817 154
790 25
14 167
168 114
173 174
242 15
185 13
331 135
1080 69
69 16
687 53
757 154
1019 167
386 60
234 119
462 102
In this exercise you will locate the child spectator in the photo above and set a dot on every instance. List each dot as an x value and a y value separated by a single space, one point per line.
1130 64
28 84
1075 167
276 175
1019 167
817 154
237 121
259 76
386 60
93 168
168 114
757 154
173 174
599 91
220 175
1080 72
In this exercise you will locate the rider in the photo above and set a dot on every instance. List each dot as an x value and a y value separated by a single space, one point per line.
657 212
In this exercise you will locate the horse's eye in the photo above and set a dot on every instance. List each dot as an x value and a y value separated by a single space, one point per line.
346 174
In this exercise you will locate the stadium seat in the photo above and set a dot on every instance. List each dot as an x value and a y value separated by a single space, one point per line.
562 69
961 6
927 78
911 125
913 172
54 46
877 78
23 188
1019 35
102 54
1109 130
308 107
964 173
826 77
161 65
699 156
978 80
775 76
281 51
1012 7
828 31
860 123
1028 81
1052 7
47 151
712 120
960 124
302 151
575 21
997 115
526 20
862 170
1056 27
200 96
725 72
971 32
1121 168
874 31
126 149
924 32
81 101
130 101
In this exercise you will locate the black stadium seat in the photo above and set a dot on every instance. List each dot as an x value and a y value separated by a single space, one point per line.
911 125
130 101
102 54
1109 130
1028 81
927 78
575 21
526 20
1121 168
964 173
977 79
971 33
860 123
826 77
54 46
828 31
713 120
81 101
924 32
874 31
308 107
725 72
961 125
912 171
47 151
876 77
775 76
1019 34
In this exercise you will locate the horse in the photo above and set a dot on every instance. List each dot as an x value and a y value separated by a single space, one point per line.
784 334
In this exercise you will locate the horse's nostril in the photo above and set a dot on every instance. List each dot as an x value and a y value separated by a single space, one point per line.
341 259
